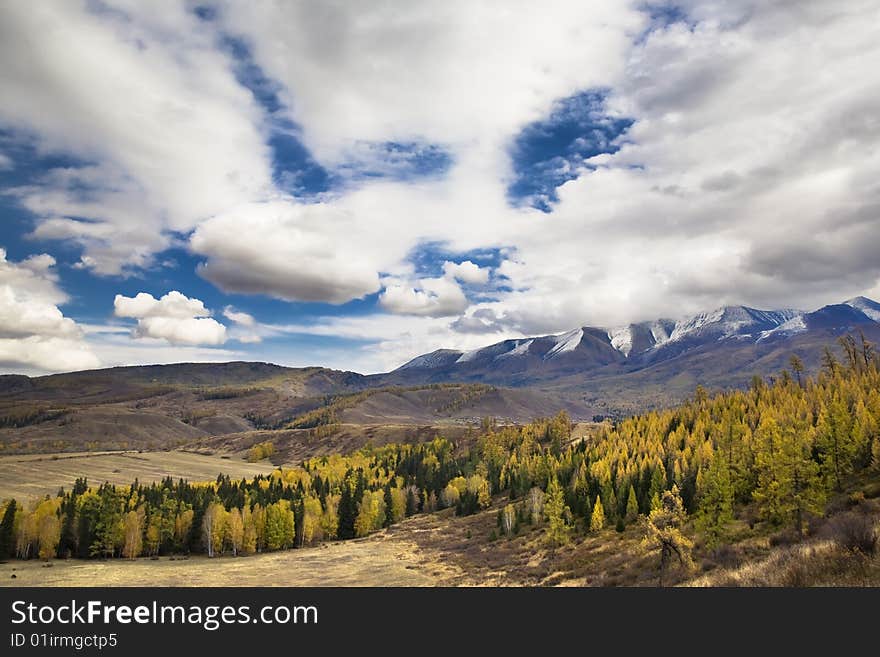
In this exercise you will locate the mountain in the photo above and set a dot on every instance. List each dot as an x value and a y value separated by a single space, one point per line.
735 335
587 371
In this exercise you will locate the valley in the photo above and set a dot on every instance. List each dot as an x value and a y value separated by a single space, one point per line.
580 473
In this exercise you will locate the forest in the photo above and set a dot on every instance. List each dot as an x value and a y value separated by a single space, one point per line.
774 454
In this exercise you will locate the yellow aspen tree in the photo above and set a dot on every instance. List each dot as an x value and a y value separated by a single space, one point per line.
133 532
235 531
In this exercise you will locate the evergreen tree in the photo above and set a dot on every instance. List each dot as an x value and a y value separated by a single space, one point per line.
347 511
7 531
789 485
555 510
715 506
389 506
632 505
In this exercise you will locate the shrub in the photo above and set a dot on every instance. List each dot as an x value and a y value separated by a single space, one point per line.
857 532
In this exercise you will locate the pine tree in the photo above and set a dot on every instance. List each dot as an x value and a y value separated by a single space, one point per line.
715 506
389 506
597 518
347 511
7 531
632 505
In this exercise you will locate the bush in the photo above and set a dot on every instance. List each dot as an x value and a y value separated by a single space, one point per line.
785 537
857 532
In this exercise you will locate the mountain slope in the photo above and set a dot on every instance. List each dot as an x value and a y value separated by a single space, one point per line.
663 350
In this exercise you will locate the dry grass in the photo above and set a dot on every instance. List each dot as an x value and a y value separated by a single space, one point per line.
28 476
844 552
375 561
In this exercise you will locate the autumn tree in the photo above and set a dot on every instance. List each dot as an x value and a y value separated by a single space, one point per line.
235 531
789 484
597 518
133 528
311 520
507 519
555 511
280 525
664 532
214 527
715 500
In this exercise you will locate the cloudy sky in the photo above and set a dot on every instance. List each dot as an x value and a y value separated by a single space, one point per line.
354 183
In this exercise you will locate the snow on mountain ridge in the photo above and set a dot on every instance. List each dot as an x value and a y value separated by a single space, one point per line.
622 339
435 358
790 327
521 349
868 306
565 342
727 322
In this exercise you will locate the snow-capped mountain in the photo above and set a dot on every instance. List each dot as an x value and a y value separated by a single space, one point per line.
638 346
867 306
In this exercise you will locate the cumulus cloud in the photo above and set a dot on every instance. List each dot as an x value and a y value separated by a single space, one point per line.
287 250
467 272
174 317
34 333
429 297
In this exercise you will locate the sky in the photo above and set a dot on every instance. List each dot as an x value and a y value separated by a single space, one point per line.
354 184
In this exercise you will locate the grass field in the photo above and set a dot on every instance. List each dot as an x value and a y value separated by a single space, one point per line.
29 476
379 560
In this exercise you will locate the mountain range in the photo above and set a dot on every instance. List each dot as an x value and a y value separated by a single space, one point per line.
643 345
587 371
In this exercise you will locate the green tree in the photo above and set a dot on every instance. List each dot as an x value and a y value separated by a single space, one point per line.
555 511
834 439
789 485
7 531
632 504
715 500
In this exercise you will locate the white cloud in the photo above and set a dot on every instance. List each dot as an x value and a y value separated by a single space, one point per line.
387 340
246 329
749 175
175 318
172 305
239 317
468 74
34 333
429 297
290 251
150 98
467 272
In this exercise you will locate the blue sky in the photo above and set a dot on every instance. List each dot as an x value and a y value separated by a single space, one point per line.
351 186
